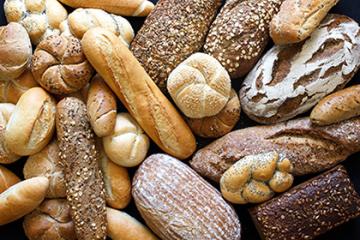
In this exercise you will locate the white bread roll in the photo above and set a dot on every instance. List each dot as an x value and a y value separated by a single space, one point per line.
22 198
7 179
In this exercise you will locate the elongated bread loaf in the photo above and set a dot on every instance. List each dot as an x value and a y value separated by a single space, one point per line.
7 179
83 179
140 95
177 204
310 148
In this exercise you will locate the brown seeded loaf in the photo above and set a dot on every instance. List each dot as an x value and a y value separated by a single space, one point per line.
84 181
310 148
140 95
7 179
172 32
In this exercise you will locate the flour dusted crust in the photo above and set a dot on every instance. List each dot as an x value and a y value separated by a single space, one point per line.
289 80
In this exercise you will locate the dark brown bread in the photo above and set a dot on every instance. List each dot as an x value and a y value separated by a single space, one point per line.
83 179
240 34
172 32
177 204
310 148
309 209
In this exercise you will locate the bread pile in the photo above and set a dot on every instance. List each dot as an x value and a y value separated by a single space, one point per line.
102 120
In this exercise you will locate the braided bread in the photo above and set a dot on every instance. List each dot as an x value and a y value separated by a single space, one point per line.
255 178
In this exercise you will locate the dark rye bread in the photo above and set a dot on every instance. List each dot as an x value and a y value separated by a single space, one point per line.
290 80
310 148
83 179
240 34
172 32
177 204
309 209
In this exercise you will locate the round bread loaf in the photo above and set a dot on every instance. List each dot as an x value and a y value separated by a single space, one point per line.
41 18
51 220
15 51
220 124
199 86
128 145
7 179
60 66
47 163
32 124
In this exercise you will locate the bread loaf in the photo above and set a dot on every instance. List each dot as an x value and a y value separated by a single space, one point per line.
199 86
60 66
7 179
15 51
83 179
296 20
12 89
240 34
128 145
172 32
40 18
176 203
337 107
136 8
32 124
220 124
309 209
22 198
290 80
6 155
51 220
81 20
310 148
256 178
133 86
101 107
47 163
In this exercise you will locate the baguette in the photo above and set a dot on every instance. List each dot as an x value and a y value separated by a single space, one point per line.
337 107
140 95
83 179
21 198
135 8
7 179
310 148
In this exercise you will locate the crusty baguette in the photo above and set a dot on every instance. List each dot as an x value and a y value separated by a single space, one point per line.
101 107
7 179
83 178
310 148
22 198
140 95
140 8
337 107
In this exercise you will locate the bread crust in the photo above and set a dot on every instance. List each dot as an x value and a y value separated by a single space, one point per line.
6 155
7 179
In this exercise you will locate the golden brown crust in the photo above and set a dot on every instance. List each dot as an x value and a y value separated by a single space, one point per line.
140 95
83 178
101 107
7 179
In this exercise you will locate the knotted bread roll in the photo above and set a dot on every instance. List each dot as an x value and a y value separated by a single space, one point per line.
60 66
41 18
200 86
255 178
81 20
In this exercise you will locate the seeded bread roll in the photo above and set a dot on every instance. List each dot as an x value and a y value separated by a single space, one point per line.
220 124
12 89
101 107
47 163
296 20
309 209
83 179
240 34
15 51
337 107
199 86
7 179
172 32
60 66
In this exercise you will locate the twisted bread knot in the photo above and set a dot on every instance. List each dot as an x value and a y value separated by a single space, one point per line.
255 178
200 86
60 66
